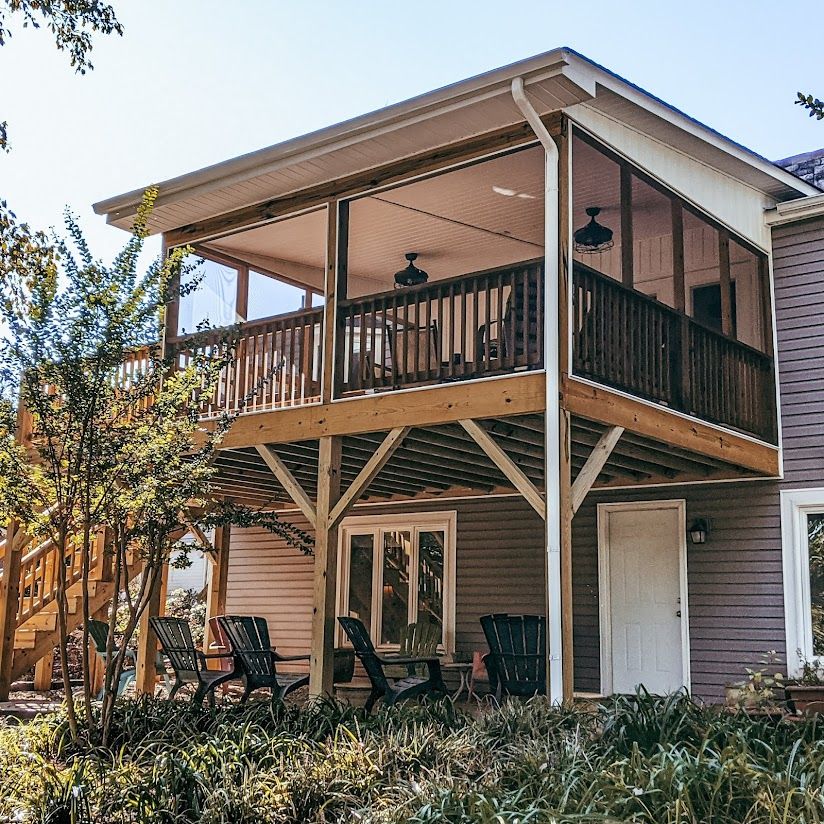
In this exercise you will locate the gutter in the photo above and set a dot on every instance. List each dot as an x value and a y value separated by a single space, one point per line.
790 211
552 438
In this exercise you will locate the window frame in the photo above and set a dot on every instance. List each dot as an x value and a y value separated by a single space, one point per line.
796 506
414 523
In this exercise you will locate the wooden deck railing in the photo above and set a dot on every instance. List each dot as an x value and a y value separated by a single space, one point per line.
456 329
39 570
627 340
277 363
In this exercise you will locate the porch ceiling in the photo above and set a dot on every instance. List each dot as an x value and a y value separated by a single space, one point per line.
443 460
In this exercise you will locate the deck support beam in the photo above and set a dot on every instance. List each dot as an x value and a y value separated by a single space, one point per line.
9 601
288 482
595 463
43 672
369 472
146 675
326 567
217 581
508 467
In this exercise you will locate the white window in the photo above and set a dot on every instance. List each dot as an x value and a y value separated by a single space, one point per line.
395 570
802 538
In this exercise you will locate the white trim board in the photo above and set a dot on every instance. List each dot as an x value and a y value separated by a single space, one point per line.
604 599
796 505
414 521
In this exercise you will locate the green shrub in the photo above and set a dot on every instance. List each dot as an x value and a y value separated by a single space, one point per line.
640 759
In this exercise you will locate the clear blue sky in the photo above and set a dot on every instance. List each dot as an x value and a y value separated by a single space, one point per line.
193 82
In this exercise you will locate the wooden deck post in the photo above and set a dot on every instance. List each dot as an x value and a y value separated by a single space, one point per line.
326 565
43 672
146 675
725 281
627 243
217 581
9 601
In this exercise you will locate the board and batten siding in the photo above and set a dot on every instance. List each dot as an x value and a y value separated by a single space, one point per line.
499 568
736 601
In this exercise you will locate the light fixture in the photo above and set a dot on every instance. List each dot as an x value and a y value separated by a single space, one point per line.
411 275
698 531
593 237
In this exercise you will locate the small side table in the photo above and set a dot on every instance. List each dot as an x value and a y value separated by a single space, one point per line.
464 671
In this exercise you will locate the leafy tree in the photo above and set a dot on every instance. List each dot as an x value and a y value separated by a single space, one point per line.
813 105
71 22
106 448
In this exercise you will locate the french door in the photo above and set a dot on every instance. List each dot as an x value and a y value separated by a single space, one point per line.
395 571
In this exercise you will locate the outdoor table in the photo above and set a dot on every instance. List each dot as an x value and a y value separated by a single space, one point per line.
464 671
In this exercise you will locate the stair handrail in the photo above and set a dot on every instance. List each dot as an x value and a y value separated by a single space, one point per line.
22 537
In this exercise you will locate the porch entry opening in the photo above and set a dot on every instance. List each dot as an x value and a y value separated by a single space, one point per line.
395 571
643 597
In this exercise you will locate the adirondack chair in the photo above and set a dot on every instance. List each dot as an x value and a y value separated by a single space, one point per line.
418 640
99 633
383 686
516 661
249 639
188 662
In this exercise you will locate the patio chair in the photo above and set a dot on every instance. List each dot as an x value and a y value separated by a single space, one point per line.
99 633
418 640
188 662
383 686
516 661
249 639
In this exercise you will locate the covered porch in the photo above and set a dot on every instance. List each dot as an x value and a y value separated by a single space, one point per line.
445 520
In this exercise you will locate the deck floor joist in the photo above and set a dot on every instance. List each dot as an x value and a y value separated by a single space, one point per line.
443 460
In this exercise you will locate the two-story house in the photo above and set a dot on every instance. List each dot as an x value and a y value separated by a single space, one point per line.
536 342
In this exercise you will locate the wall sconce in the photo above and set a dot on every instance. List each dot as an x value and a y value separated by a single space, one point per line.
698 531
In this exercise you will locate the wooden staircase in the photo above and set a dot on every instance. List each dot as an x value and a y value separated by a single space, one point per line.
36 633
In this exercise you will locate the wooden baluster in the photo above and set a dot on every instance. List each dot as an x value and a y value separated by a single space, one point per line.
538 274
397 338
349 381
499 309
373 332
404 376
452 332
464 317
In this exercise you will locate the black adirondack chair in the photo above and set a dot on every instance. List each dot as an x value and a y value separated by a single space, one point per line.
249 639
188 662
99 633
516 661
390 689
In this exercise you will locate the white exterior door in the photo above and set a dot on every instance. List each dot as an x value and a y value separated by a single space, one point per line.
644 639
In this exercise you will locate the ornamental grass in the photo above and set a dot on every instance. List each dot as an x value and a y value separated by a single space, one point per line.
638 759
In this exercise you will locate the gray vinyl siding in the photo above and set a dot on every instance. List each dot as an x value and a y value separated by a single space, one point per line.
736 600
499 568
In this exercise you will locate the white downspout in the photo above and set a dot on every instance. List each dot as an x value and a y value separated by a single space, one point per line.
552 443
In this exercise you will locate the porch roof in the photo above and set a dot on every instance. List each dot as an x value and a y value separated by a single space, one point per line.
554 80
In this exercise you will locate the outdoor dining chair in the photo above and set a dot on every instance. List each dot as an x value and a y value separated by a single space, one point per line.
257 659
383 686
188 662
516 662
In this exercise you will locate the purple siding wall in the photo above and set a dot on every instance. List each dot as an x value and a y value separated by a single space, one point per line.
735 579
